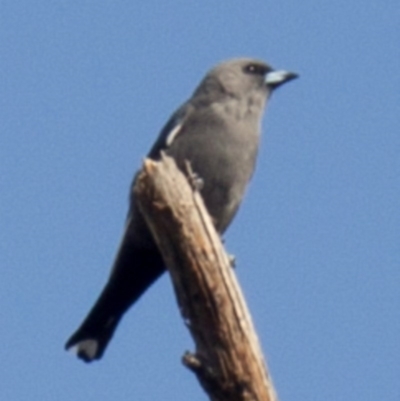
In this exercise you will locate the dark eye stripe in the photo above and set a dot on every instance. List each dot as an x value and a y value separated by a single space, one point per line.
256 69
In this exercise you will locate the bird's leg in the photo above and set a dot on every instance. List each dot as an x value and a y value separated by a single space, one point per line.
231 256
195 181
232 260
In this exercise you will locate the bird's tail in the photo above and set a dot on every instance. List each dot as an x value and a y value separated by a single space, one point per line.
91 339
135 269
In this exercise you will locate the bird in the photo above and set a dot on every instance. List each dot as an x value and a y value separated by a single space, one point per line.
218 131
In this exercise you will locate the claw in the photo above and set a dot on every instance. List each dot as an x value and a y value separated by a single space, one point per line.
195 181
232 260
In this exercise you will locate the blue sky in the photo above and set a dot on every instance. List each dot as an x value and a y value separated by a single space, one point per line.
85 88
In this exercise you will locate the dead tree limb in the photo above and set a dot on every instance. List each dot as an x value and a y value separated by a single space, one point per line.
228 360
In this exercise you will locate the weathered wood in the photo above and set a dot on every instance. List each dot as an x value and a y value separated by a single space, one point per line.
228 360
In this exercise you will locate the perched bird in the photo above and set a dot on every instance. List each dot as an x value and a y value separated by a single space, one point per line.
218 131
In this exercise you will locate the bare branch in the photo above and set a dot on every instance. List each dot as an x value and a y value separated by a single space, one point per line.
228 360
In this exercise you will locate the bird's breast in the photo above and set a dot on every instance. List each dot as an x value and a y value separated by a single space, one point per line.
222 153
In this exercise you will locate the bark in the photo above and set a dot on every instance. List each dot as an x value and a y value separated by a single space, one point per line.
228 360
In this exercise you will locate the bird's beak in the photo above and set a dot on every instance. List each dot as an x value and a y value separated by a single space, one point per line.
276 78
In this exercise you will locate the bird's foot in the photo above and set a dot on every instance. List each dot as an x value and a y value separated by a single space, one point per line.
195 181
232 260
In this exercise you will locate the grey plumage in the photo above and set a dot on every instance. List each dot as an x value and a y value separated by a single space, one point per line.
218 131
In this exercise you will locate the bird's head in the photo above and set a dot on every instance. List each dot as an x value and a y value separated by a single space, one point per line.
241 77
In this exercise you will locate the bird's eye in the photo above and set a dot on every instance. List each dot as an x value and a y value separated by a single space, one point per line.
256 69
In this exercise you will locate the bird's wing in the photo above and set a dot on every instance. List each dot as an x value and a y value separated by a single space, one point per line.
171 130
